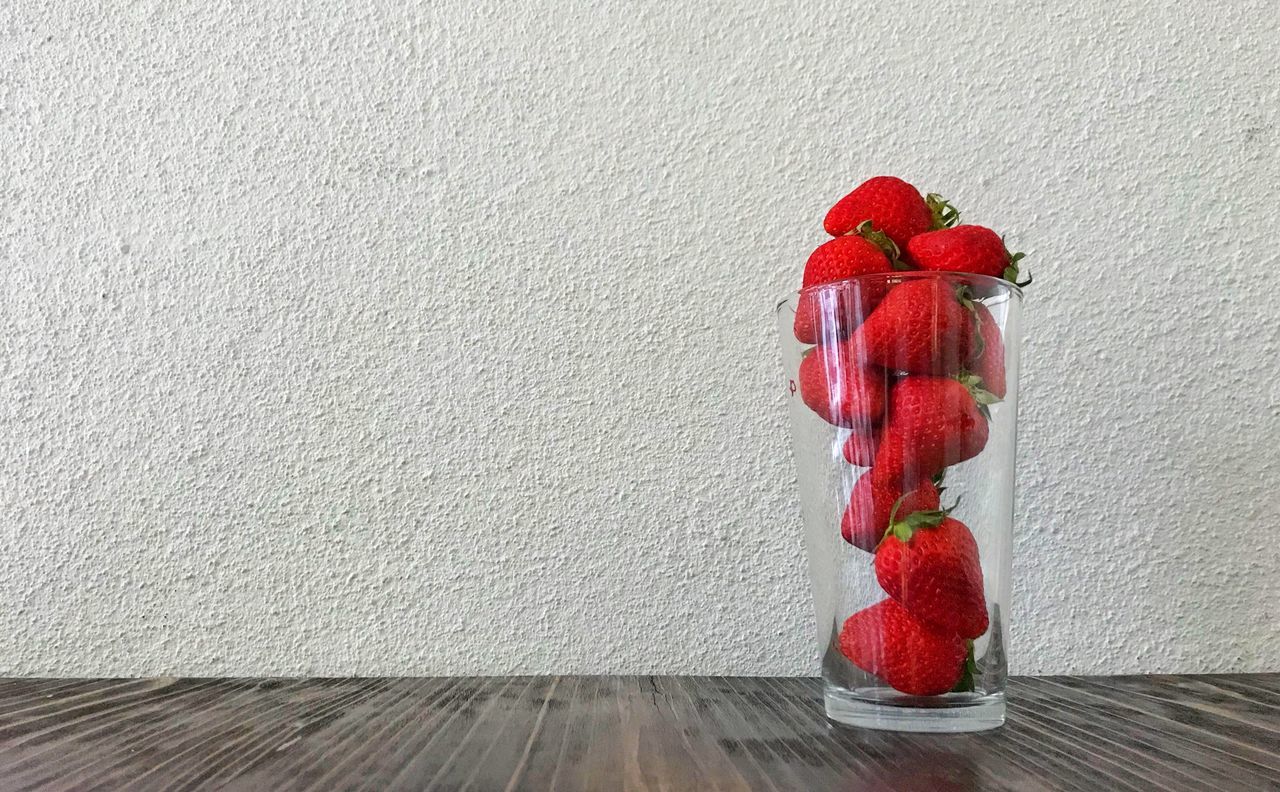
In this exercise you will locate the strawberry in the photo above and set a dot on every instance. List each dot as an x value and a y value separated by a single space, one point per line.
923 326
839 389
987 363
893 207
861 444
836 260
928 562
887 641
964 248
932 423
871 506
843 257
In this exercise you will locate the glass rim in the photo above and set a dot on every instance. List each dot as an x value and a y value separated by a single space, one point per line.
987 281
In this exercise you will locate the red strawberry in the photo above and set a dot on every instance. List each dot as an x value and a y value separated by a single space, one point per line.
836 260
860 446
871 505
839 389
932 423
928 562
922 326
892 206
965 248
843 257
887 641
988 363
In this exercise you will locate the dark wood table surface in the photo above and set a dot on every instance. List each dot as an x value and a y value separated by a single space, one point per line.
605 733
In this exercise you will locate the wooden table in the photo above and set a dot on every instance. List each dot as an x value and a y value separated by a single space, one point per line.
605 733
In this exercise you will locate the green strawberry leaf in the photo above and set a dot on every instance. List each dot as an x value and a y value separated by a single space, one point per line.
905 528
983 397
969 676
944 214
1011 272
881 240
929 518
965 295
979 343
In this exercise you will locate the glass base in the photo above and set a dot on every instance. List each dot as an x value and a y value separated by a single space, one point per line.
908 714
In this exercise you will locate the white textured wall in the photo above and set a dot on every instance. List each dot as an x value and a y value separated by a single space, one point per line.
345 338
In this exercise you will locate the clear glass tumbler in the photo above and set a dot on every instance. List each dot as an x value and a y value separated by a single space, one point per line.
903 400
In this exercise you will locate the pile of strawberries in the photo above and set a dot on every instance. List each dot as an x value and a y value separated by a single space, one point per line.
908 365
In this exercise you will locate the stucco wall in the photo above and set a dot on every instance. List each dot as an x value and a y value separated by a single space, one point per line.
354 338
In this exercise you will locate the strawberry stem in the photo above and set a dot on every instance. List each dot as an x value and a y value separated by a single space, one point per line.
893 515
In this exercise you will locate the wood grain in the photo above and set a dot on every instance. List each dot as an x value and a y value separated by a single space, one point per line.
605 733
